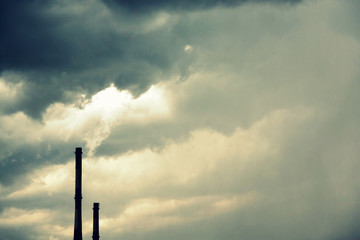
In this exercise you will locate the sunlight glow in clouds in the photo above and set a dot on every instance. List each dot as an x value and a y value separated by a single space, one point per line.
178 164
205 151
106 109
93 123
244 126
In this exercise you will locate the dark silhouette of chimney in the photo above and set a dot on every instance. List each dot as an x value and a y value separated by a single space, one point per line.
78 196
96 235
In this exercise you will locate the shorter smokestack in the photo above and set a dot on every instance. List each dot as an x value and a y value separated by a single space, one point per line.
96 235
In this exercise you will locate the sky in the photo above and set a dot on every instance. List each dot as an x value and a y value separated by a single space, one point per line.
198 119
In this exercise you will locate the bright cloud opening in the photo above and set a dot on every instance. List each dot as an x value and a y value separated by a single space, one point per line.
106 109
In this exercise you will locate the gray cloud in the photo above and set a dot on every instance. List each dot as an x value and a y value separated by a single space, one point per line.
58 48
311 184
17 160
16 233
141 6
307 189
246 63
256 66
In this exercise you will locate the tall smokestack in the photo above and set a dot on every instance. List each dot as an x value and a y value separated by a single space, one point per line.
78 196
96 222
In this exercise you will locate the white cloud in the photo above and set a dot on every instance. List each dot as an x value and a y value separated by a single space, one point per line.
260 122
28 132
150 214
178 166
107 108
14 216
92 123
188 48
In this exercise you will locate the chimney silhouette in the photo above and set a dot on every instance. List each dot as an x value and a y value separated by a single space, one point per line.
96 235
78 196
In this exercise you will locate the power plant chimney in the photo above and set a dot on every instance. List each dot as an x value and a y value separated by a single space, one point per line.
78 196
96 235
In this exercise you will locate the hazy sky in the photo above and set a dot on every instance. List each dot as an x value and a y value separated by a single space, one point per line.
199 119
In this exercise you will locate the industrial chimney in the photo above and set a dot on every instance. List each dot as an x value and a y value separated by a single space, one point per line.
78 196
96 235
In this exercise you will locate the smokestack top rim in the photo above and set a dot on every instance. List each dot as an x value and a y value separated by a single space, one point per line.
78 150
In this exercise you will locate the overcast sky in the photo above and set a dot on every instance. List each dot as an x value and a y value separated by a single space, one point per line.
198 119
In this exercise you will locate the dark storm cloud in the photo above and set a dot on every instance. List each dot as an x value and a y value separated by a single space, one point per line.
22 33
34 39
35 44
58 49
142 6
308 180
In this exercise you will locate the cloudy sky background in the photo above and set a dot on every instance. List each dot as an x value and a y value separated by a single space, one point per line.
198 119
